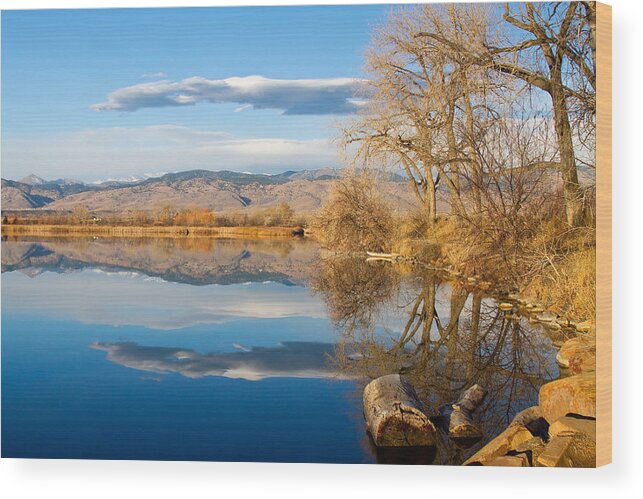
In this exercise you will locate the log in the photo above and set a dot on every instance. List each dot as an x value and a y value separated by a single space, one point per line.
394 414
389 256
461 426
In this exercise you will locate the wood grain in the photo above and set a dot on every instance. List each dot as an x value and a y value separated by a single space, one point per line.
604 235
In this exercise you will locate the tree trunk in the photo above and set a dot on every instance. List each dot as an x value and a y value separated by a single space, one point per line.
431 207
461 426
394 415
571 187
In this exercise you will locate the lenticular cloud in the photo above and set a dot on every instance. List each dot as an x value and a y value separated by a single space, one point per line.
311 96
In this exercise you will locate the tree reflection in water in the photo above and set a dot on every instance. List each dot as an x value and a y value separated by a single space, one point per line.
443 337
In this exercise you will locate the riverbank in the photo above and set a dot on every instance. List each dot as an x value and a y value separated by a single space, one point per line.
152 231
560 431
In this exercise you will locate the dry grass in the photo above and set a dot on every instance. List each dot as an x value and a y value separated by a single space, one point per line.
570 288
534 253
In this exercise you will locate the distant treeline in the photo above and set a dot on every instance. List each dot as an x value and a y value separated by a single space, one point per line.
167 215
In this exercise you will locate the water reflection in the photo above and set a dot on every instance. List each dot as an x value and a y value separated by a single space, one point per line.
160 283
443 337
193 260
290 359
387 319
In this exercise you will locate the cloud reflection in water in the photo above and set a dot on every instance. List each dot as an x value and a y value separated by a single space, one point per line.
289 359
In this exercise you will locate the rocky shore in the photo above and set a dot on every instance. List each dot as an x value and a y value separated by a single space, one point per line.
561 430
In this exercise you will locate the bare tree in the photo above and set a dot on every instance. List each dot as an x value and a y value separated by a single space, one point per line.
423 103
554 52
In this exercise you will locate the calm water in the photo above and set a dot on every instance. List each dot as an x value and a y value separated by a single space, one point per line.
238 350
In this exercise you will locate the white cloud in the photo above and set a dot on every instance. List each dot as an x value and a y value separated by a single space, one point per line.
116 152
306 96
160 74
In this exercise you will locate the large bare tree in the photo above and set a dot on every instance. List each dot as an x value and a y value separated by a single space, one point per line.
424 105
549 46
441 78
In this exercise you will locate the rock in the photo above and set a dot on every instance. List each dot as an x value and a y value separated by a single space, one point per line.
508 440
517 460
546 316
584 327
570 425
572 395
578 354
531 449
532 419
570 451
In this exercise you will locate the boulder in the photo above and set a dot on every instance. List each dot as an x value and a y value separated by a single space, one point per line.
531 449
517 461
569 451
572 395
570 425
508 440
532 419
578 354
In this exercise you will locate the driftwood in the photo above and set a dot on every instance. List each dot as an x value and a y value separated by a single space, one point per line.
462 430
394 415
374 254
382 257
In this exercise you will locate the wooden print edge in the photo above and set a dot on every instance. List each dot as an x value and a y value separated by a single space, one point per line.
603 234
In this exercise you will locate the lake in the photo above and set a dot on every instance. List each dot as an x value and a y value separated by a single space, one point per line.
240 350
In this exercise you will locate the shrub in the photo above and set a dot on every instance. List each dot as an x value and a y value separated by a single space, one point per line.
356 217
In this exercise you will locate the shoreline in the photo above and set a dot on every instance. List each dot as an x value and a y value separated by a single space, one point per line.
141 231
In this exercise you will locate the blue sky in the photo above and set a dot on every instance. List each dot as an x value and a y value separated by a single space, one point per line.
65 113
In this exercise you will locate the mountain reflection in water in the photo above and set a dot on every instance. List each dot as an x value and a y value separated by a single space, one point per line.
266 311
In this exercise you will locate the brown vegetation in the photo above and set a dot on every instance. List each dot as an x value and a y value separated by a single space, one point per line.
166 216
356 216
150 231
496 116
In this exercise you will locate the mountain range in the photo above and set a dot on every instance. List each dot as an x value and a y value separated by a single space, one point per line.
305 191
